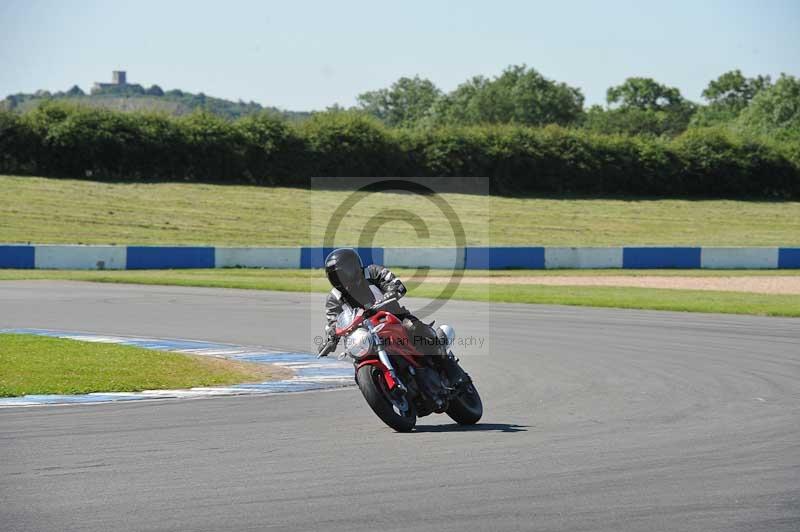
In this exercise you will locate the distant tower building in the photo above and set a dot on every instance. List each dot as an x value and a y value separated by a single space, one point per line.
118 79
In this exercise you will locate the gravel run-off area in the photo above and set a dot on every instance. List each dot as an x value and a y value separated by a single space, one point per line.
759 285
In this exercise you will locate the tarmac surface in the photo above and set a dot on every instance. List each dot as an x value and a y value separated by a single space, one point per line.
595 419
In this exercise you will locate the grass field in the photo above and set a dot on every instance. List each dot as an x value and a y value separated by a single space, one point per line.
42 210
38 365
617 297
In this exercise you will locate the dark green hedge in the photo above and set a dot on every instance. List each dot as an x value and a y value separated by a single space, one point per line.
58 140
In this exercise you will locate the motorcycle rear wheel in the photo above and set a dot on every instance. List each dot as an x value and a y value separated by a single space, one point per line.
401 417
467 407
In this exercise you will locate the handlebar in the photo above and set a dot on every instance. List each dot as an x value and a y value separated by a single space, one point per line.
367 312
377 306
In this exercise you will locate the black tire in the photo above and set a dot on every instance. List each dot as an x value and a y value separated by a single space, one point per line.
467 407
373 388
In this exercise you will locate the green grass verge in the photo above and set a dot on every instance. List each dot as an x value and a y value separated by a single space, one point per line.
638 298
39 365
617 297
43 210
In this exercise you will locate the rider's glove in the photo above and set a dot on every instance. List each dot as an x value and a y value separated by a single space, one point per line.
390 295
368 307
328 346
397 289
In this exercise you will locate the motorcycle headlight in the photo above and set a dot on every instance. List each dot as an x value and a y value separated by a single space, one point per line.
358 344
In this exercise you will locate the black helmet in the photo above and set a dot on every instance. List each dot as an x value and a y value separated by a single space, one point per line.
344 269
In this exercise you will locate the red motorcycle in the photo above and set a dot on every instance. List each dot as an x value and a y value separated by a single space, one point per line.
397 380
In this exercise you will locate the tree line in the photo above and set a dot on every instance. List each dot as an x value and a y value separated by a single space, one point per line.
517 96
638 106
66 140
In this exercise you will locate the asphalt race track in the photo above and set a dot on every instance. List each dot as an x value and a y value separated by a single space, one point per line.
595 420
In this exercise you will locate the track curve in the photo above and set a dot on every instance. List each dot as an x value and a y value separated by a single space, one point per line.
595 420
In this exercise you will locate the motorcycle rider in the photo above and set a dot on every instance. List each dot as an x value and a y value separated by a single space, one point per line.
359 287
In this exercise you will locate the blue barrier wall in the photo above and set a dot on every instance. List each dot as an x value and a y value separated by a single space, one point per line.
789 258
163 258
504 258
17 257
474 258
651 257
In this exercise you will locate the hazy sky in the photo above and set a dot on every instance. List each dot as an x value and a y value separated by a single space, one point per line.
308 55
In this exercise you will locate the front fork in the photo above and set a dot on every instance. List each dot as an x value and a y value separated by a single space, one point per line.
389 374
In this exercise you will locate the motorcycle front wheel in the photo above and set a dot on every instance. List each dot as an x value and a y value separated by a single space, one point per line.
399 414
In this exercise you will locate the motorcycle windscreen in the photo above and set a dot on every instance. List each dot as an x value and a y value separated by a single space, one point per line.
346 317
